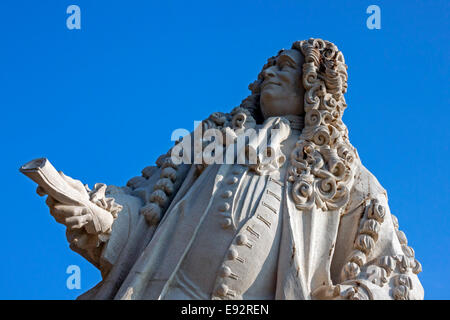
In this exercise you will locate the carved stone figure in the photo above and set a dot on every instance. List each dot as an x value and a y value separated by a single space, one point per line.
306 221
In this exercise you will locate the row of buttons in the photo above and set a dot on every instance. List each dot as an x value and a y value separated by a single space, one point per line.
223 290
224 208
225 271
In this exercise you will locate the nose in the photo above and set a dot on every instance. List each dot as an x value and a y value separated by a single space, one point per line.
269 72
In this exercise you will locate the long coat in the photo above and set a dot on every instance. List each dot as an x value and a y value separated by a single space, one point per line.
357 253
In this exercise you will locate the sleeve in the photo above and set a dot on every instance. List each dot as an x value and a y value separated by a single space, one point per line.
146 196
103 249
380 265
151 194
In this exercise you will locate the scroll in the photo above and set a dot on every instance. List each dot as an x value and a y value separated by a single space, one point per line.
52 183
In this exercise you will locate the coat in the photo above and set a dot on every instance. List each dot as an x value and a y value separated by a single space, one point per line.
354 252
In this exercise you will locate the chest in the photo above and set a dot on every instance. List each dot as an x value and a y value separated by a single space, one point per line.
234 253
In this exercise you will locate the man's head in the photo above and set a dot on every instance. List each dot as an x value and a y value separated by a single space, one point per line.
316 78
282 91
310 80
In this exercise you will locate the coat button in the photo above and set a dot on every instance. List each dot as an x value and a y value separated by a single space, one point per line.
224 207
227 194
241 239
233 180
237 170
226 223
232 254
222 290
225 272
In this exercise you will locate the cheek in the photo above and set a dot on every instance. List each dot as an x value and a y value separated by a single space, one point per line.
287 79
291 84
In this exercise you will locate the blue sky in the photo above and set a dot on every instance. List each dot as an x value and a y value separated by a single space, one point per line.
102 102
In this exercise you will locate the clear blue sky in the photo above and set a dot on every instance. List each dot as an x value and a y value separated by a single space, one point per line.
101 103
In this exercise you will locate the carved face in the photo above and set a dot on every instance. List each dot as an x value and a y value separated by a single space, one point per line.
282 91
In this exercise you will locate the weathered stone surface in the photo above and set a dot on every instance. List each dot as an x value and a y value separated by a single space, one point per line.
305 220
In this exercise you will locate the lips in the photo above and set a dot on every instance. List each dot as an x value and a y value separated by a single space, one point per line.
264 84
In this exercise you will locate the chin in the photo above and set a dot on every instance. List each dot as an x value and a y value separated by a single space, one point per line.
267 95
272 110
270 99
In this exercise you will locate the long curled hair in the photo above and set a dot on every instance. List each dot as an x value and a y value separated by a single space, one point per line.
322 163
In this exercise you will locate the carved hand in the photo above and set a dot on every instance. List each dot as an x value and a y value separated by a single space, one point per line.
73 217
78 216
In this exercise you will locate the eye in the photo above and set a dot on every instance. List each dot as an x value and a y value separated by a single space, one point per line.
283 63
283 66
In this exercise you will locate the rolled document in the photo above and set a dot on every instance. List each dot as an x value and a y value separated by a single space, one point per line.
45 175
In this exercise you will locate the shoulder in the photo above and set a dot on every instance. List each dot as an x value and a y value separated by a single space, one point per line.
365 187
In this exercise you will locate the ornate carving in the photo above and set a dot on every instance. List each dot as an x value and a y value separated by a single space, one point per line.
232 123
365 242
321 172
98 196
163 189
388 263
406 263
403 285
322 162
379 271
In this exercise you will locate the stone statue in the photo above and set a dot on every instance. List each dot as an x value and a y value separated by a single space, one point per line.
306 220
